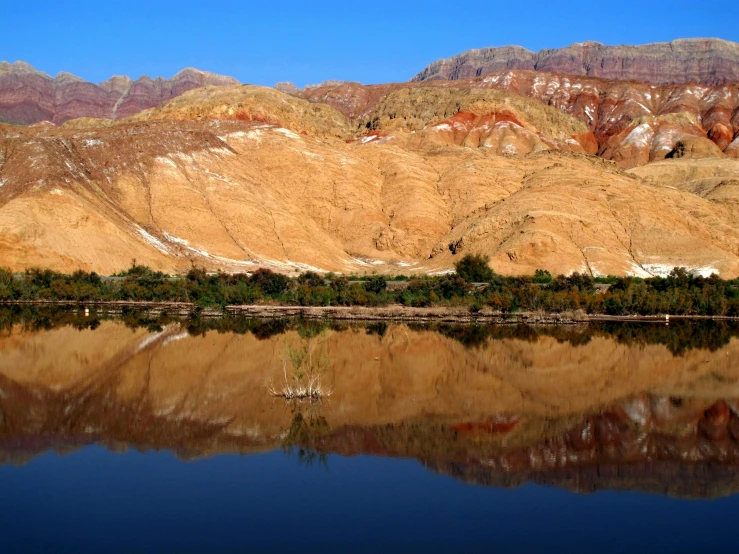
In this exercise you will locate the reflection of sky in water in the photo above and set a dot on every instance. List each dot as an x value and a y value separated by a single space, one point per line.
96 500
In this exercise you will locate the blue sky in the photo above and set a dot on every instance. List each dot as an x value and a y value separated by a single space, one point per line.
308 42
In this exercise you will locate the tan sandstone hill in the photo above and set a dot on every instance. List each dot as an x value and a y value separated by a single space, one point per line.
236 178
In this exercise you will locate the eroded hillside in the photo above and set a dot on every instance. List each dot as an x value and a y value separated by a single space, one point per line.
236 178
633 123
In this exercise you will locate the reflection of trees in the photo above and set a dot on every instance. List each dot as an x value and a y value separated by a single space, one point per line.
303 393
679 337
377 328
307 428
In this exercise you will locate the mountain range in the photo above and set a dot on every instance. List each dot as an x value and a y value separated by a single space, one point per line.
701 61
548 166
30 96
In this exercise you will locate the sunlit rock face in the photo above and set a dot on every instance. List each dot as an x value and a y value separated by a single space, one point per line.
587 408
237 178
525 167
632 123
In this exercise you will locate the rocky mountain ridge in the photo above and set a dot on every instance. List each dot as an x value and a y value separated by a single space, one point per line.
633 123
709 61
29 96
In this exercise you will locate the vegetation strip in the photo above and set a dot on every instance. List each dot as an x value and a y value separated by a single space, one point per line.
474 292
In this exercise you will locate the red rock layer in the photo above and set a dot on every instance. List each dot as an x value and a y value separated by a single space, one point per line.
707 117
28 96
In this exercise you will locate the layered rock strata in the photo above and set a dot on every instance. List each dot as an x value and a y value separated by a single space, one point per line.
702 61
29 96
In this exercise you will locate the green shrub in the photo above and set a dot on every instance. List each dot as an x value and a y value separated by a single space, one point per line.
475 269
542 276
375 284
312 279
269 282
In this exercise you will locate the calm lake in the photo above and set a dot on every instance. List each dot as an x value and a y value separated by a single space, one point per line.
136 433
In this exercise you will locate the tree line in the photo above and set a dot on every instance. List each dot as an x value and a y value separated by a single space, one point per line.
474 285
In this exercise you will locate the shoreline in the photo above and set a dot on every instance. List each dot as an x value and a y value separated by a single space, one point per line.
442 314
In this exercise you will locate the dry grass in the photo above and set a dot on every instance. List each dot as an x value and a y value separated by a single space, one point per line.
308 388
305 381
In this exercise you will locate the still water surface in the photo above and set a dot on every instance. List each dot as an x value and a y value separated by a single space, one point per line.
141 434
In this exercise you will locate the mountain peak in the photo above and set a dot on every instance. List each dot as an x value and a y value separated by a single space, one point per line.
119 83
205 77
20 68
287 87
189 71
63 76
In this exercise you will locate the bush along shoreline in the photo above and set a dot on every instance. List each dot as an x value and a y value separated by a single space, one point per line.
474 287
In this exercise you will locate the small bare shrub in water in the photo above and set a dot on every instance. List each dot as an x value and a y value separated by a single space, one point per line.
304 380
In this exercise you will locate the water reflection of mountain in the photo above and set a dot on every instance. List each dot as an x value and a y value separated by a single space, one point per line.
676 479
679 337
520 406
648 444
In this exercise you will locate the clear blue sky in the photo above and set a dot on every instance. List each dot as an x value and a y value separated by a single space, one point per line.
308 42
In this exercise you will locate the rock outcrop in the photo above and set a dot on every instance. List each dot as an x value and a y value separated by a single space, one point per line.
702 61
672 120
29 96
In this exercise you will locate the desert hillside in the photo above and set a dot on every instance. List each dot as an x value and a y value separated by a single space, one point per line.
632 123
535 170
